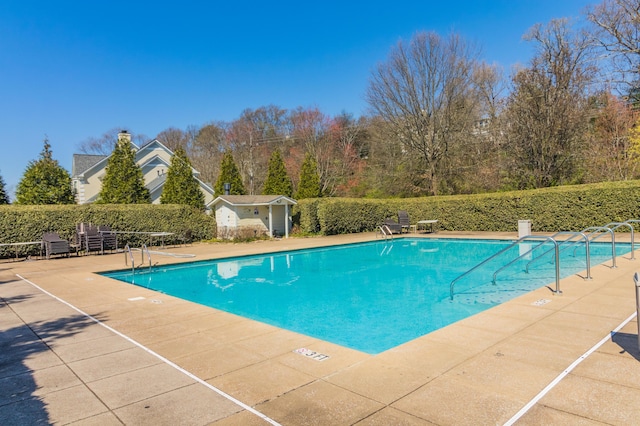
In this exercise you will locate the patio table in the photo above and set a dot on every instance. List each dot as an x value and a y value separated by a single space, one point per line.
424 223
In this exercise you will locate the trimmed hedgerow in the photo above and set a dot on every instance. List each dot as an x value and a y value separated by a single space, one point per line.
28 223
567 208
305 213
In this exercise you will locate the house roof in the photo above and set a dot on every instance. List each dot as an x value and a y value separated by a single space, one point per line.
83 162
253 200
205 186
97 165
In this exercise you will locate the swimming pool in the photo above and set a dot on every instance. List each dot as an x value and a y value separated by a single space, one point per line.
367 296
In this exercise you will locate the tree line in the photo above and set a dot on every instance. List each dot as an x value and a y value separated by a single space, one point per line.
46 182
443 121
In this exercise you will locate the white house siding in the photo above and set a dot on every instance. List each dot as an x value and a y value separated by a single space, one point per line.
92 185
153 162
208 196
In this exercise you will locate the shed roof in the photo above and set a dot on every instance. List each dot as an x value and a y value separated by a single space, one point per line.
253 200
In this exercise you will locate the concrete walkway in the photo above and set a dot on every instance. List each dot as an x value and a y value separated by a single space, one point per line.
77 348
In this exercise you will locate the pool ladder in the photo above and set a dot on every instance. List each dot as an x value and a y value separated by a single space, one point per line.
595 231
128 254
385 232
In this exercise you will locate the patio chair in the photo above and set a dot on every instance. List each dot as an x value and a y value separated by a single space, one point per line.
92 239
53 244
109 238
78 243
403 219
393 226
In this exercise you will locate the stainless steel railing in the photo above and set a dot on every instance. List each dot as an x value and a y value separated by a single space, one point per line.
515 243
566 244
144 250
128 254
588 235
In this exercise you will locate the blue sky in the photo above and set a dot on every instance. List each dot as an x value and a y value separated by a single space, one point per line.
72 70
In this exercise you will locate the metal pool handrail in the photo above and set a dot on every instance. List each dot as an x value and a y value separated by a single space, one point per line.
127 250
142 250
618 225
518 241
613 240
569 241
632 221
385 231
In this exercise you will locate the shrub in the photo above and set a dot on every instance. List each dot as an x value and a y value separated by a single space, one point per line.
28 223
566 208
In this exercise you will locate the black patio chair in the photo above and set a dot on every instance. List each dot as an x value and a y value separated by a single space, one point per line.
393 226
403 220
109 238
53 244
92 239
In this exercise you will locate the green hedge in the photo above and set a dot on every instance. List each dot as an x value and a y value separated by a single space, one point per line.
28 223
566 208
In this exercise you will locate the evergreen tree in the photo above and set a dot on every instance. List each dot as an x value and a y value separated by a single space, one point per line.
309 186
229 174
45 181
278 182
4 197
123 182
181 187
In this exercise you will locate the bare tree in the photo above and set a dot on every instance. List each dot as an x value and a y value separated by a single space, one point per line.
206 149
389 170
348 136
425 94
475 165
610 153
312 129
548 108
491 87
105 144
174 138
617 30
252 138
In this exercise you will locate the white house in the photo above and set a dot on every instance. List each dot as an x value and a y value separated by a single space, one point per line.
259 214
153 158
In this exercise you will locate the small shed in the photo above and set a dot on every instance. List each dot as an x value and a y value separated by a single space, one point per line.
250 215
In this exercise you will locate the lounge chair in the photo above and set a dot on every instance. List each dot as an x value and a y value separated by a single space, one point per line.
393 226
53 244
403 219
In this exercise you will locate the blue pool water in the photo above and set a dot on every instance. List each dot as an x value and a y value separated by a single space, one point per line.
369 296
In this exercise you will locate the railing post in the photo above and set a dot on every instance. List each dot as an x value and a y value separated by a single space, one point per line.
613 240
127 250
636 280
588 257
557 252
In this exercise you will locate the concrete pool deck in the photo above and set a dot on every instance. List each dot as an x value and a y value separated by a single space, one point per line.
143 357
